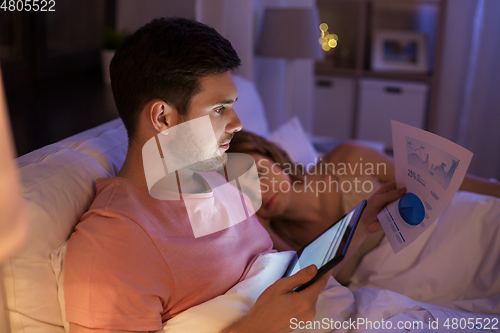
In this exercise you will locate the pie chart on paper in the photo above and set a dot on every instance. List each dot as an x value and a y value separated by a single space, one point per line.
411 209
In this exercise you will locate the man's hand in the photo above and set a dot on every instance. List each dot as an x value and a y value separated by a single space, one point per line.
279 303
388 193
368 222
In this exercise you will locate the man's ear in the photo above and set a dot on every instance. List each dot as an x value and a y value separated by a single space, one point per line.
162 115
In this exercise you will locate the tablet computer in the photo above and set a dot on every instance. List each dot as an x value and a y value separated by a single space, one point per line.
329 248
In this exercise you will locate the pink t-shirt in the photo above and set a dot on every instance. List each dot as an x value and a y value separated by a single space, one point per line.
133 261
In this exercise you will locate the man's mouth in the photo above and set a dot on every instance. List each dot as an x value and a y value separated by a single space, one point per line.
225 145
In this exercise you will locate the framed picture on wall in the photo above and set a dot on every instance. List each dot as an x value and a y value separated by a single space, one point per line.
401 51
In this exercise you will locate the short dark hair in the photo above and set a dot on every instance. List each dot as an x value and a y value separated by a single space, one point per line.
166 59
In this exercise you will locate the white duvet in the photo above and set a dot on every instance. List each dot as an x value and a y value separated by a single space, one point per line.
453 267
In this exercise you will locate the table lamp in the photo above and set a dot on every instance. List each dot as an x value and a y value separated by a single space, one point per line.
290 33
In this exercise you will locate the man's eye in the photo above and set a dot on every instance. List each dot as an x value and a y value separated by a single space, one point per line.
219 110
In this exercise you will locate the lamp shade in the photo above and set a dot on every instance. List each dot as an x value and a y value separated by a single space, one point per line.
290 33
13 225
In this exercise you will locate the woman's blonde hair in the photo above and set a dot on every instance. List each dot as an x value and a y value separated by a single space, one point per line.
250 143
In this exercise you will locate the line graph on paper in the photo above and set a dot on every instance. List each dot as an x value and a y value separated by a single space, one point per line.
438 164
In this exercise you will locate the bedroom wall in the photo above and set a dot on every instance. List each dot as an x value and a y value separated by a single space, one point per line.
235 21
457 36
469 105
132 14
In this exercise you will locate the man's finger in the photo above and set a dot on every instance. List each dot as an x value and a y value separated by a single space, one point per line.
304 275
318 286
387 187
374 226
385 198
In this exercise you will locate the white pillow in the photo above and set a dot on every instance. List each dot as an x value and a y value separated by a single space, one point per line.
58 185
294 140
249 107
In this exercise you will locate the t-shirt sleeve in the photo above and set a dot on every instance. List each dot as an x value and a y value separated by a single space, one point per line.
115 277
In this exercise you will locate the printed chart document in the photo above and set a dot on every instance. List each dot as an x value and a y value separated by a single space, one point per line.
432 169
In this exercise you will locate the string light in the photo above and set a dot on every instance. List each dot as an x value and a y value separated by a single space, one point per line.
327 40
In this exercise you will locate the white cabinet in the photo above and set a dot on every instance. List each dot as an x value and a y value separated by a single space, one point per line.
334 104
383 100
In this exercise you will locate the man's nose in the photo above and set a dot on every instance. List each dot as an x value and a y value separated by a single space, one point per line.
234 125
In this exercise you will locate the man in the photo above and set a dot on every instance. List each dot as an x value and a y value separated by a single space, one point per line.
133 261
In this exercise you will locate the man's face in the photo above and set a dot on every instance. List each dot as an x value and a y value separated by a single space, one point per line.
215 99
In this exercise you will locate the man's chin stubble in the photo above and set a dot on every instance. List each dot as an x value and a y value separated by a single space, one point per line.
213 164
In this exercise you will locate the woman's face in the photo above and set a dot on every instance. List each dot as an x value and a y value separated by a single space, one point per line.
275 187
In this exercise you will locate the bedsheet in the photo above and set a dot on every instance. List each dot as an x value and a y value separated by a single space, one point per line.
457 259
451 271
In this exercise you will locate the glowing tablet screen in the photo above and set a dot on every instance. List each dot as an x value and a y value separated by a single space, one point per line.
325 247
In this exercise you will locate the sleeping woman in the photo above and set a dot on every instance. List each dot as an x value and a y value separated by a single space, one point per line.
297 204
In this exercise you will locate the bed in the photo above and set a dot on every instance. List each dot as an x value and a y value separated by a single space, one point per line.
454 267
